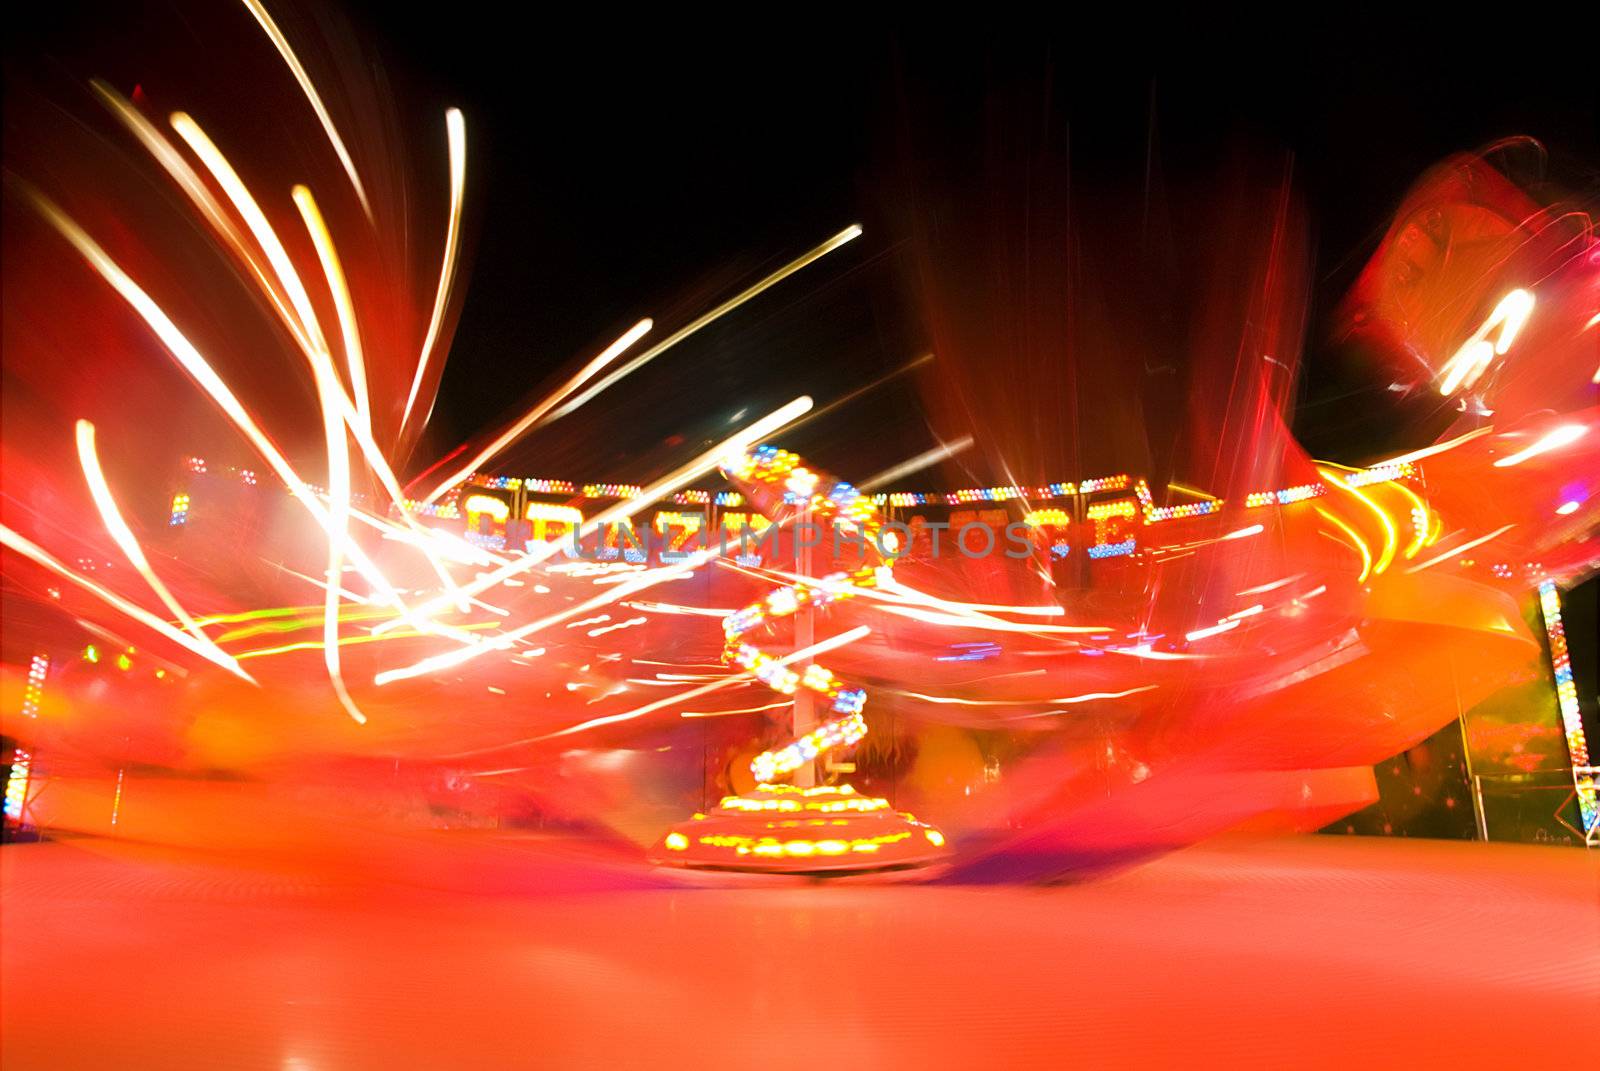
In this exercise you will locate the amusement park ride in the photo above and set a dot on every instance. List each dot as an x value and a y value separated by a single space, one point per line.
1278 633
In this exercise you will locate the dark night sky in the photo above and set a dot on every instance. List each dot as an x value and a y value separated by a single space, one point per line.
623 166
627 168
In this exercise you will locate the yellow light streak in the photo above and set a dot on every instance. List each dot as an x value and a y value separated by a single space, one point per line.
1193 492
347 641
295 624
1359 545
1437 448
254 615
1086 697
1460 549
1391 536
848 234
533 416
456 135
1213 630
1420 507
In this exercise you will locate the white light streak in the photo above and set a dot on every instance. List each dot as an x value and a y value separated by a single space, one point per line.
1554 439
456 134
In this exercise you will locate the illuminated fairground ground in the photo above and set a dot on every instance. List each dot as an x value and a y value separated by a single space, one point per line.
1126 601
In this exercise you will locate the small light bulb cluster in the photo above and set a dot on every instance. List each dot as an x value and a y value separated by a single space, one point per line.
980 494
1048 518
200 467
1104 483
17 783
706 498
180 510
766 669
1113 550
612 490
1103 515
1567 700
841 732
804 482
1300 493
22 759
443 510
550 514
1286 496
486 505
791 799
549 487
549 521
800 847
1386 473
983 494
781 827
33 691
1157 514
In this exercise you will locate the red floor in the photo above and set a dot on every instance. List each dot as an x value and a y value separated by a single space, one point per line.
1311 951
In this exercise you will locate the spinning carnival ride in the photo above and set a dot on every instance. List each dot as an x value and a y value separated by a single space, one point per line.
792 827
1254 657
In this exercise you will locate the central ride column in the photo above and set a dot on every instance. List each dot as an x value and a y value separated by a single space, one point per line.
804 718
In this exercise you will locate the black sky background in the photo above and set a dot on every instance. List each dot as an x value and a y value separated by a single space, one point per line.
625 167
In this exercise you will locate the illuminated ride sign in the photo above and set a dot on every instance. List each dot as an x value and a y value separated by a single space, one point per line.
1102 518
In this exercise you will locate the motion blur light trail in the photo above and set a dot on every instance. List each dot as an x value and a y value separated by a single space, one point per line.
1218 630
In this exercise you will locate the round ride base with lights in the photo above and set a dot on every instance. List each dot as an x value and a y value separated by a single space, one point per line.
784 829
